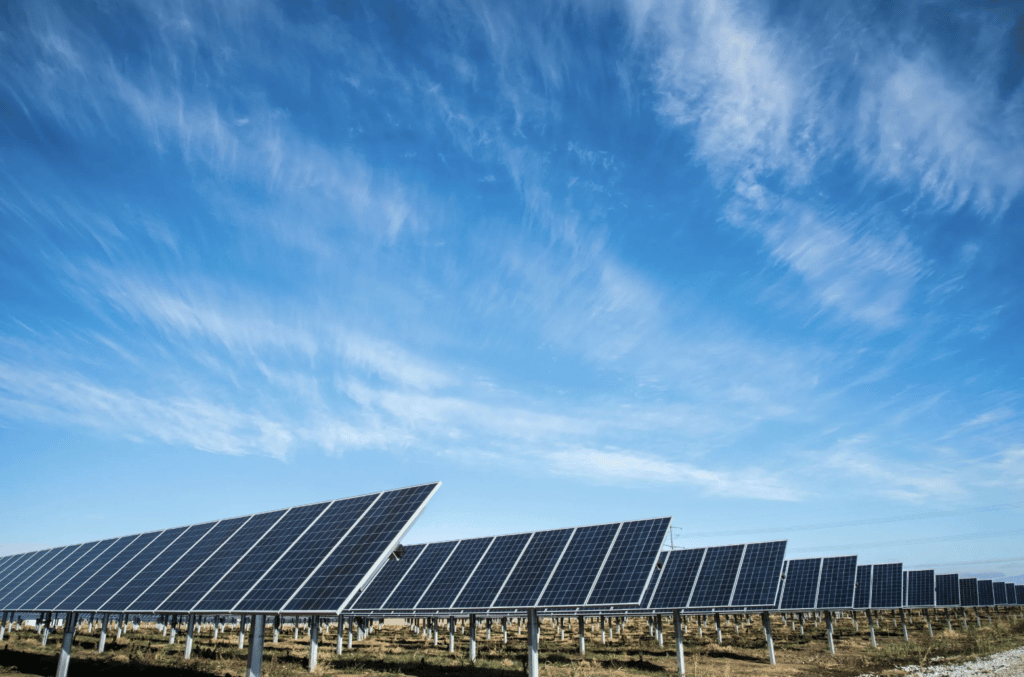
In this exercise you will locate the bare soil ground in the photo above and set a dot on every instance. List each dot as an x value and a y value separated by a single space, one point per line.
395 649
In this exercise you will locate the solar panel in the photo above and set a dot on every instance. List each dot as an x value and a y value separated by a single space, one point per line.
411 588
838 581
947 590
800 588
1019 591
862 595
494 569
574 575
985 597
1011 594
968 592
758 581
717 575
529 576
920 588
678 575
377 591
887 586
446 586
655 579
628 568
323 550
999 593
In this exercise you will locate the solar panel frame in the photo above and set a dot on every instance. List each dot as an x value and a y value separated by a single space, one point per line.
998 593
887 586
985 597
630 563
800 589
968 592
494 569
862 592
837 584
759 578
920 588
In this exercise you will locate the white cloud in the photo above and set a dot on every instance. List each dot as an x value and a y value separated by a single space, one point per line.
860 466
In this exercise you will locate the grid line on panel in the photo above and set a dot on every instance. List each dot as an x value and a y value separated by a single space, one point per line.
29 570
947 590
760 575
736 581
600 568
377 591
817 582
168 548
257 561
38 576
631 563
486 581
472 573
437 573
117 579
720 569
46 586
188 554
838 582
532 570
512 568
109 569
366 546
56 601
310 550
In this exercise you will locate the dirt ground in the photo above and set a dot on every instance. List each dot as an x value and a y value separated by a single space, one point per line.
395 649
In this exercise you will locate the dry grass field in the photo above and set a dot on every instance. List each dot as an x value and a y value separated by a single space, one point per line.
394 649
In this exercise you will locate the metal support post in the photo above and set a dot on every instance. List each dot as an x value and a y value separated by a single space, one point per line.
65 648
504 630
828 631
766 620
433 624
928 620
801 616
533 639
678 626
341 635
451 634
856 626
189 632
174 630
488 629
277 628
472 638
718 627
871 627
254 664
903 621
241 632
602 630
314 642
583 635
44 622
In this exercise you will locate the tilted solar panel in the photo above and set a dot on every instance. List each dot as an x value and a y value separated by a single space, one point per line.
1019 591
483 586
315 555
862 596
655 579
1011 594
759 578
678 575
531 574
717 576
920 588
985 597
887 586
947 590
628 568
999 593
800 588
838 582
448 582
576 570
377 591
968 592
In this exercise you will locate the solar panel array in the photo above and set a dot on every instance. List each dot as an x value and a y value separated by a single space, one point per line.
594 566
307 559
730 576
818 583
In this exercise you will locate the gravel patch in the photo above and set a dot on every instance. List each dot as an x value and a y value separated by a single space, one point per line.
1006 664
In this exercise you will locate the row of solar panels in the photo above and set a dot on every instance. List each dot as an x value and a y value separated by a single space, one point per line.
307 559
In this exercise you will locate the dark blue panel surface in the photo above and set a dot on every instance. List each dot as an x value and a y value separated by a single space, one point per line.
838 581
449 580
655 579
118 573
759 577
678 575
57 576
219 562
1011 594
575 573
717 577
338 577
58 600
384 583
887 586
494 568
921 588
161 554
801 586
113 564
862 596
28 571
629 565
985 597
1019 591
527 579
285 578
947 590
230 590
999 593
168 581
968 592
409 591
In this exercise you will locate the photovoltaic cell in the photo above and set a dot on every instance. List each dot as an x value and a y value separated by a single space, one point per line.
391 574
801 585
630 562
287 575
985 597
717 576
759 576
947 590
365 547
227 592
968 592
535 566
494 568
108 570
862 596
84 573
22 590
574 575
422 572
921 588
168 547
838 582
48 583
26 571
678 576
449 581
146 549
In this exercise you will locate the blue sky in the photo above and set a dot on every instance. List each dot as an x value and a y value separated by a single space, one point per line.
753 265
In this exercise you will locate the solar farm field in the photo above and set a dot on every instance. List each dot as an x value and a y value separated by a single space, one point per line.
394 648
